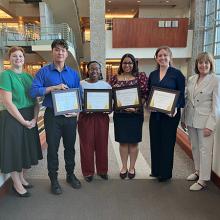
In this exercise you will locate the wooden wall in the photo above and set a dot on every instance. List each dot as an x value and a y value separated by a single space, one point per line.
144 32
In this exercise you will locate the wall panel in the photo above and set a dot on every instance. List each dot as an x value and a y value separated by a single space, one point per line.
144 32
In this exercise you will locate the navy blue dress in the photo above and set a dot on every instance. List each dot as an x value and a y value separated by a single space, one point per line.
162 127
128 126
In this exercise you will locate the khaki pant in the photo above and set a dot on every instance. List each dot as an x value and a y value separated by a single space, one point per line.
202 152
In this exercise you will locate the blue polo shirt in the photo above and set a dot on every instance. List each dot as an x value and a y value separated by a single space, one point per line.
49 76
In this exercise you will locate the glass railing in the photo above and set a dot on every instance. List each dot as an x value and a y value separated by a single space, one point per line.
33 34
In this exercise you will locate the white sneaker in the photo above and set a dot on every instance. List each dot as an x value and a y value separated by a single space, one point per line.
198 186
193 177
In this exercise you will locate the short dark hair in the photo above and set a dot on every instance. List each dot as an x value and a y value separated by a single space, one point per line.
135 64
91 62
60 42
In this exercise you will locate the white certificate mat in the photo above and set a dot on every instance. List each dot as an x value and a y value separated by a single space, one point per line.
66 101
163 100
127 97
97 100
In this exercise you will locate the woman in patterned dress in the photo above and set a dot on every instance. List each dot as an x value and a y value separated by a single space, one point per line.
128 122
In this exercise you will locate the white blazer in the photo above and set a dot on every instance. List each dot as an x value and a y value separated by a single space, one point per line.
201 102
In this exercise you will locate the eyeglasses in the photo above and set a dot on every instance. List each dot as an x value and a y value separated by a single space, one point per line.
127 63
94 69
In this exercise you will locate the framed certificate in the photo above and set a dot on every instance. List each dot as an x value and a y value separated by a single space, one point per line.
66 101
126 97
162 100
98 100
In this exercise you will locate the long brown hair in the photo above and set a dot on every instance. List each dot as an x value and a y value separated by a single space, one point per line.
135 65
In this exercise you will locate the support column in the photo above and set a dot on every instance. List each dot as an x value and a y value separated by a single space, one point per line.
1 60
197 23
46 15
97 32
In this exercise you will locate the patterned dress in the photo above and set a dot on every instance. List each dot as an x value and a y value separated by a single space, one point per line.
128 125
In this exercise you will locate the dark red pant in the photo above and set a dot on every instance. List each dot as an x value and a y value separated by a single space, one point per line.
93 135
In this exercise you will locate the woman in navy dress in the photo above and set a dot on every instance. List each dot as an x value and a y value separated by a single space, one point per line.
128 122
162 126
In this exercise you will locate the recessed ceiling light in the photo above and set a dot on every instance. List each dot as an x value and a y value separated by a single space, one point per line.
138 1
167 1
109 1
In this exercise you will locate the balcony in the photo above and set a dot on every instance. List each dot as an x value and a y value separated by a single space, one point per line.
35 35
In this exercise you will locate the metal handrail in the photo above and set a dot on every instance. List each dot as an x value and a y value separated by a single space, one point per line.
31 34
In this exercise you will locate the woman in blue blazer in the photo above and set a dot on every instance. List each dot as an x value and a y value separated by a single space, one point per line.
162 126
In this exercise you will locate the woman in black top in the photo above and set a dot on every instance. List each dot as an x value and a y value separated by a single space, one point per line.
163 127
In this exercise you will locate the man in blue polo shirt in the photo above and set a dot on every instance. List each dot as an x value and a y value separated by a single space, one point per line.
58 76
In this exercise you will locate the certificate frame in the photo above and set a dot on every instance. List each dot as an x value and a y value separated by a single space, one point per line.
136 103
88 102
57 95
173 95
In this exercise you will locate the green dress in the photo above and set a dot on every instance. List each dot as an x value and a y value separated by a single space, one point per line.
19 146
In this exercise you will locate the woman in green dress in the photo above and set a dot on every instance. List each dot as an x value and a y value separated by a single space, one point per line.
19 139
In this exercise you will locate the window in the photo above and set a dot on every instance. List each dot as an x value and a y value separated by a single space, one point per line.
212 31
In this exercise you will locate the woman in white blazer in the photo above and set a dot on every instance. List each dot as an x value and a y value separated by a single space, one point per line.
199 117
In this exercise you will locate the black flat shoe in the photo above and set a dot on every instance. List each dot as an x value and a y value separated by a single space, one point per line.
123 175
152 175
161 179
103 176
88 178
24 195
29 186
131 175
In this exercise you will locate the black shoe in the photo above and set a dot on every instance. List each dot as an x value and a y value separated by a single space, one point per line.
131 175
88 178
162 179
123 175
152 175
103 176
24 195
29 186
55 187
73 181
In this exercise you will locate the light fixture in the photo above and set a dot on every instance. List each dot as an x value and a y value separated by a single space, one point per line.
138 1
4 14
110 16
109 1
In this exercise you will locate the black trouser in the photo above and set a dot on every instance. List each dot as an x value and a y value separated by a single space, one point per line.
162 141
57 127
